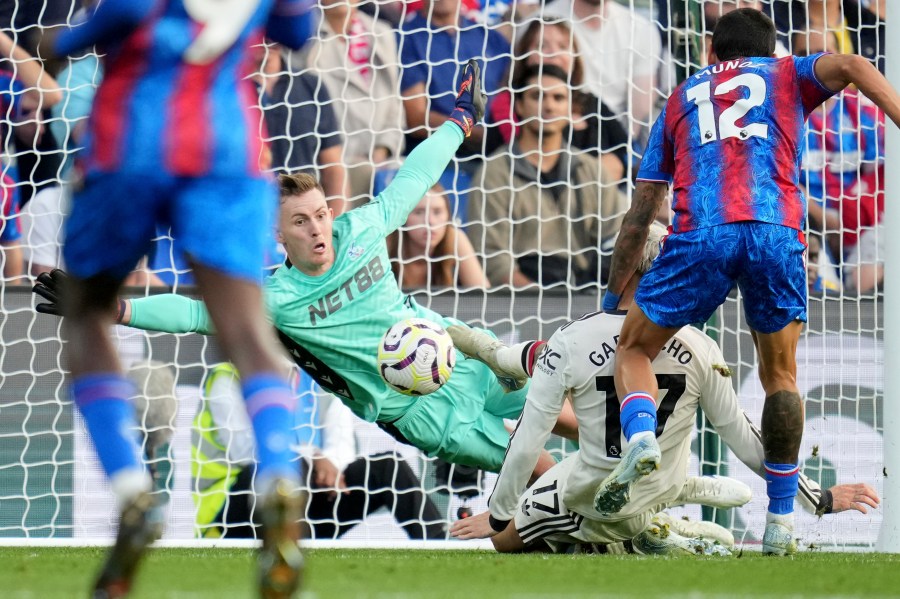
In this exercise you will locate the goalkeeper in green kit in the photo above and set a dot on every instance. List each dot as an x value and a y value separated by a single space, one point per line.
335 297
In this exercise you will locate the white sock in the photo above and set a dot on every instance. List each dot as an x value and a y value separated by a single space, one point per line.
510 359
783 519
641 435
129 483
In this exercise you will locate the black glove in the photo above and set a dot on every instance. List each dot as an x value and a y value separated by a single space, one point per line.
470 100
49 287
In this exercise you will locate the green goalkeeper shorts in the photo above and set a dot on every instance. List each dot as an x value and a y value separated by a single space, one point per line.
462 422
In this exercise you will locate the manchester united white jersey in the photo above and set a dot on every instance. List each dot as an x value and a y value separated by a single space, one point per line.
580 358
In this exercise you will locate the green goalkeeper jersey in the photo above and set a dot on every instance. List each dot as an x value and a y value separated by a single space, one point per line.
332 324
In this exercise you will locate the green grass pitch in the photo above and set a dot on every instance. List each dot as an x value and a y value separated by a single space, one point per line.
48 573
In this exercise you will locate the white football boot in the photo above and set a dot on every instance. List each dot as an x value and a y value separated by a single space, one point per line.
779 536
640 459
505 362
659 539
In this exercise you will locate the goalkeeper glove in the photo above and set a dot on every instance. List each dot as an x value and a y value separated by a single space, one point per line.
470 99
49 287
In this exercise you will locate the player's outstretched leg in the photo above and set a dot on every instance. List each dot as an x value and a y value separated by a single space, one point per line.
512 365
139 525
641 458
659 538
280 561
700 529
714 491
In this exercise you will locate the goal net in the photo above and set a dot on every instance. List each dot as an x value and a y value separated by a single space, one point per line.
541 220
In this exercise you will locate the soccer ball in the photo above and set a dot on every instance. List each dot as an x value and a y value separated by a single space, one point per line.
416 356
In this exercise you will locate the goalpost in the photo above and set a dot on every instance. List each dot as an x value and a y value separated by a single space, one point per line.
889 539
52 491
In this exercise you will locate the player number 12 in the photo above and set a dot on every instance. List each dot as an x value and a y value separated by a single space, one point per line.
728 127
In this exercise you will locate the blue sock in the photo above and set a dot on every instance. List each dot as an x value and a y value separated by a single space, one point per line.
105 403
270 405
638 414
781 486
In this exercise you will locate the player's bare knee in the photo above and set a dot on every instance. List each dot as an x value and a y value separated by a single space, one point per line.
777 380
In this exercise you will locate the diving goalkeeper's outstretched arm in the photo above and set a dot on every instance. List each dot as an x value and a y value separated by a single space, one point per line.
168 313
425 164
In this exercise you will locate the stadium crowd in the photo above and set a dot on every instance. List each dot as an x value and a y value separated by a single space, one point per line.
535 197
379 76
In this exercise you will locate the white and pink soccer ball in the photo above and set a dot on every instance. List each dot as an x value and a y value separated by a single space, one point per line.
416 356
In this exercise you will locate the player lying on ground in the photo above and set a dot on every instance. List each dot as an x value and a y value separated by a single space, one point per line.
729 142
333 300
174 112
564 506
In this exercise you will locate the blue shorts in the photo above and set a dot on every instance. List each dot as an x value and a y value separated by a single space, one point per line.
220 222
696 270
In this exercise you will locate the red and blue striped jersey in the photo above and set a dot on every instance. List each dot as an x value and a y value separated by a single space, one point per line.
730 140
175 97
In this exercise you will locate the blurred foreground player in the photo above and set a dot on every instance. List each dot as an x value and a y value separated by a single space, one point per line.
170 135
729 142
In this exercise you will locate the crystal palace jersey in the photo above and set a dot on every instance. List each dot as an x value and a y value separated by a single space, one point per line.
730 139
176 97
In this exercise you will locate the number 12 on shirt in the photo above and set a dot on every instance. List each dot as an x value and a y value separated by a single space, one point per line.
701 96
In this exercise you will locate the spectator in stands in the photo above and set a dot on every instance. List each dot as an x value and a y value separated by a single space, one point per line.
343 488
25 90
876 7
37 160
432 45
291 103
29 19
714 9
356 57
821 275
595 128
858 29
843 160
622 52
542 213
430 251
864 266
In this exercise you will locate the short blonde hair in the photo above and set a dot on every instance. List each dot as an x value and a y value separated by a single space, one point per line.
297 184
652 247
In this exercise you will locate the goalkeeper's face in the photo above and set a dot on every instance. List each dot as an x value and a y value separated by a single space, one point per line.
305 229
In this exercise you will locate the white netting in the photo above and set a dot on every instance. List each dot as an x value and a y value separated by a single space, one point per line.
529 201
